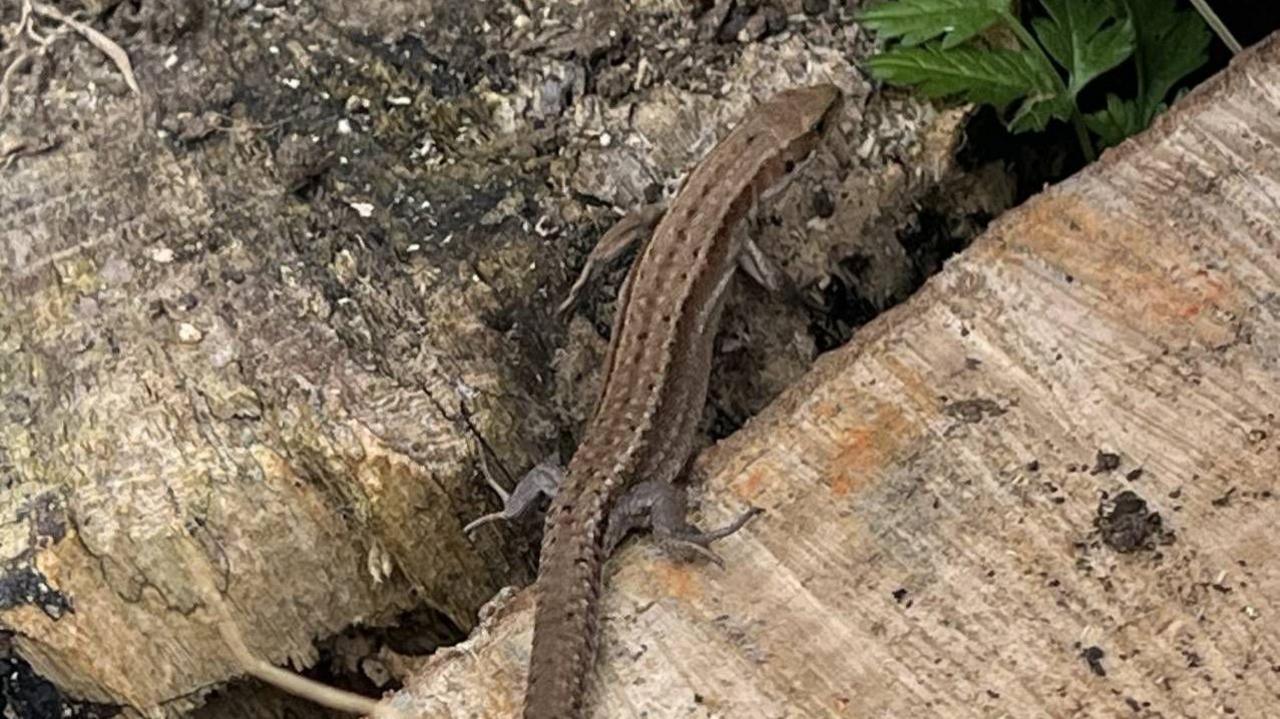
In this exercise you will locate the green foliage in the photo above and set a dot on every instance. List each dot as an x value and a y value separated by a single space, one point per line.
1170 45
916 21
997 77
1084 37
1118 120
937 46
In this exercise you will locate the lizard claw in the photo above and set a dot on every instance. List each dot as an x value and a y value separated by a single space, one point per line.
491 517
699 542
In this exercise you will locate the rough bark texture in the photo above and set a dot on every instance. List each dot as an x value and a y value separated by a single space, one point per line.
1044 486
251 319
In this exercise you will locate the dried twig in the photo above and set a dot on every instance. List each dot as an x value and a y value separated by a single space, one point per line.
100 41
26 26
295 684
1218 27
8 74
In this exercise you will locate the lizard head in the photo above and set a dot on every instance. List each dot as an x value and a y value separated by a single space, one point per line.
797 119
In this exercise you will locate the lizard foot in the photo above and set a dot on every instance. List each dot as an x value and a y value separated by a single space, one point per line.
662 507
699 542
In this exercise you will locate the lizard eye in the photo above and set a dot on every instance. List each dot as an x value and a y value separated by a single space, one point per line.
789 166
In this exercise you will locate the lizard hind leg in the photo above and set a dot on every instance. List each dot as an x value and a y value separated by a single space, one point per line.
759 267
538 484
662 507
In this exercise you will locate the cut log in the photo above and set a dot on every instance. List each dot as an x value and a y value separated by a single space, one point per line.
1044 486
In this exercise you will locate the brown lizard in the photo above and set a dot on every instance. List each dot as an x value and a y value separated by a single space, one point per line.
643 430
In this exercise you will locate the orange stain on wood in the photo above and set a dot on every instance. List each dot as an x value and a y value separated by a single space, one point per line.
1143 275
751 487
826 410
677 581
1211 292
867 448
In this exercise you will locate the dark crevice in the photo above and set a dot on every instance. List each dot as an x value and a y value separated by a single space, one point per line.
27 695
353 660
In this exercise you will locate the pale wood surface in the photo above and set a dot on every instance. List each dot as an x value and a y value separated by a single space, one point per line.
933 489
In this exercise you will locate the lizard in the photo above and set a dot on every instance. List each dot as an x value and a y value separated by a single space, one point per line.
642 433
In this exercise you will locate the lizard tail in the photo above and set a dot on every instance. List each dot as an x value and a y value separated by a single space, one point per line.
566 616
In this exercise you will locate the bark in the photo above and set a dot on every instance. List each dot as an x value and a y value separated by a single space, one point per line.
253 319
1044 486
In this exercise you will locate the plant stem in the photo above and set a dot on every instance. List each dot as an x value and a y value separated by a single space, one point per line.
1077 122
1082 134
1215 23
1139 52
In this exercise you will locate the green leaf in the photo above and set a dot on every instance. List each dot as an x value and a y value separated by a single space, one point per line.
1120 119
997 76
1171 43
916 21
1036 112
1085 37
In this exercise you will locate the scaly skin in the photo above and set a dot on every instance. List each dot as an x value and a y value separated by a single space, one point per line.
656 380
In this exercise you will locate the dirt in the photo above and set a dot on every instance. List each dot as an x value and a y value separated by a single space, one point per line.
1128 524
